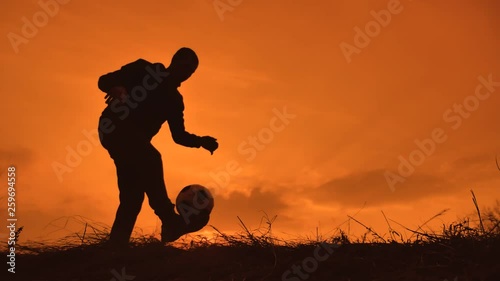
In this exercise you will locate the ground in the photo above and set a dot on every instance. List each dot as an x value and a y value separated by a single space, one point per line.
459 259
461 252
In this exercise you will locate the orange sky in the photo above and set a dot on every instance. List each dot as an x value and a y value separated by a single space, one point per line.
354 115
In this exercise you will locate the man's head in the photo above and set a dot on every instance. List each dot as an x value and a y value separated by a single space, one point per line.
183 64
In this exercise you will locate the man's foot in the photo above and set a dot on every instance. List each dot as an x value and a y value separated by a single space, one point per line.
173 230
178 226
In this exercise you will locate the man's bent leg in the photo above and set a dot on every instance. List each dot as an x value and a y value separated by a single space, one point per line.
173 225
155 188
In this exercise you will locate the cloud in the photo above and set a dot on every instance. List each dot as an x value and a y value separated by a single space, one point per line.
473 169
371 187
251 208
19 156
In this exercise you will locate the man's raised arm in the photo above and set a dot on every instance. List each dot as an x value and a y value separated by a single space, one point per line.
179 134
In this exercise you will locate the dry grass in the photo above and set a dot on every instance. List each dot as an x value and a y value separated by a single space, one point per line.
464 250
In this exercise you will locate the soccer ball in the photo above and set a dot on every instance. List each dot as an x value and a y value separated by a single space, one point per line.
194 201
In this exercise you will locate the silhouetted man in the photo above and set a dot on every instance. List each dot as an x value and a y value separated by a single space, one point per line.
141 96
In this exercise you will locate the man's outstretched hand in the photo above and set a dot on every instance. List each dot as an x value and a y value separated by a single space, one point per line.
209 144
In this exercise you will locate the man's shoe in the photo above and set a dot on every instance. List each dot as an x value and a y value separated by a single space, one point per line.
177 226
173 230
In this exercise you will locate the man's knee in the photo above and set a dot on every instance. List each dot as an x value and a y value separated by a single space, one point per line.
160 201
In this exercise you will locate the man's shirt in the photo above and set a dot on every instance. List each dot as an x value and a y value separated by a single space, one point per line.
153 98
